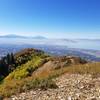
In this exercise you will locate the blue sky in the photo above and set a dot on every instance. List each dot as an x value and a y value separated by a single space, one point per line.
51 18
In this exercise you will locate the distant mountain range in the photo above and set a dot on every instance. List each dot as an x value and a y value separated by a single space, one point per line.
24 37
42 37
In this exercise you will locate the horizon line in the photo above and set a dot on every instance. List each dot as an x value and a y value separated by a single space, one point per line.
33 36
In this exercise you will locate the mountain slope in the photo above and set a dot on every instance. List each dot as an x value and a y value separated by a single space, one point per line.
74 82
70 87
37 70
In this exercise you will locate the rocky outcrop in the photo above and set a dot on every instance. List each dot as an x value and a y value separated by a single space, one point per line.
57 63
64 61
71 87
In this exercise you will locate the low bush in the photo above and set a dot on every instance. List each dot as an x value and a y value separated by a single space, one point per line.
12 87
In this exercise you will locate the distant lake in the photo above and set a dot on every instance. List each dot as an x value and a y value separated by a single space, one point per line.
83 44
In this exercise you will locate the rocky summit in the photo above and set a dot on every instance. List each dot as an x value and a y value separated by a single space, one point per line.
70 87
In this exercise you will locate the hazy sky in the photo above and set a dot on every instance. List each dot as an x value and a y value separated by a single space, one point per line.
51 18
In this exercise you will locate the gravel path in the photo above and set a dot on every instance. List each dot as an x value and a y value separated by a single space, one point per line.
71 87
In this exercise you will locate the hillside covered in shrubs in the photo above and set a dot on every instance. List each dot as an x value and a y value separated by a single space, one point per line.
34 69
12 61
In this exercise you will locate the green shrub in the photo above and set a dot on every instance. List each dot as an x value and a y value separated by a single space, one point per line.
12 87
26 69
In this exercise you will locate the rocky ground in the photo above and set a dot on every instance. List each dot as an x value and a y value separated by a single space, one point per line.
70 87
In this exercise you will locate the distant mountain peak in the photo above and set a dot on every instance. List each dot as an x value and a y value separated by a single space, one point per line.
12 36
21 36
39 37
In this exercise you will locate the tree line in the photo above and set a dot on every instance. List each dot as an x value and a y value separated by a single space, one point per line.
7 64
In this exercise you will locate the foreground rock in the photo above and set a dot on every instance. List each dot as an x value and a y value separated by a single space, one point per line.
71 87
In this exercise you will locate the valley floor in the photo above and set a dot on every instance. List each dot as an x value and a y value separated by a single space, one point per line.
70 87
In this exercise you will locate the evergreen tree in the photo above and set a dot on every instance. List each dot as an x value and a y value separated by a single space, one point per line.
12 58
7 64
